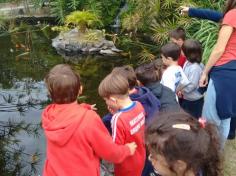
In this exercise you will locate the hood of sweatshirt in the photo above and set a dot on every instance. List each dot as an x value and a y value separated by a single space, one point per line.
143 94
150 103
156 89
60 121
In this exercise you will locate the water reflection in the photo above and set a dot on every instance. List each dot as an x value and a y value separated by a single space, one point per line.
20 130
25 59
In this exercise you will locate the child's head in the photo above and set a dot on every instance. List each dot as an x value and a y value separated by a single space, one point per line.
179 144
170 53
177 36
127 72
114 89
63 84
149 73
192 50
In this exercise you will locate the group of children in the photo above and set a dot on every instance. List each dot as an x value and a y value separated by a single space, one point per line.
151 96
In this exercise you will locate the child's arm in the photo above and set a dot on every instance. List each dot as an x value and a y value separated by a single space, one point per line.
103 145
194 78
88 106
183 82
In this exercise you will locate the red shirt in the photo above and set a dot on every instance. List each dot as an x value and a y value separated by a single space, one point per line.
230 50
76 140
128 126
181 60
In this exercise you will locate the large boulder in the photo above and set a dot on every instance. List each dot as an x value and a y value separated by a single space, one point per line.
74 42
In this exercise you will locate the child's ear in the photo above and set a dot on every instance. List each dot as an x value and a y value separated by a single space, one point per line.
81 90
113 99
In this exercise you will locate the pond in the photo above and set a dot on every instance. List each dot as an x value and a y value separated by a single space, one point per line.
24 60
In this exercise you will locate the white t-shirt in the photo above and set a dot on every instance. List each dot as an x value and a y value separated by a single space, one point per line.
174 78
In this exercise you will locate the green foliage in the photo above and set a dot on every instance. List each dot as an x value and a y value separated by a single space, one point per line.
207 34
94 36
106 9
83 20
60 28
73 4
59 9
158 17
2 23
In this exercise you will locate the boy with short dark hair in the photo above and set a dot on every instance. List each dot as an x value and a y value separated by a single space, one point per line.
178 36
173 77
128 122
149 75
76 136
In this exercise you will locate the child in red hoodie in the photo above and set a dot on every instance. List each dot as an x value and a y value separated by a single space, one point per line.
127 122
76 136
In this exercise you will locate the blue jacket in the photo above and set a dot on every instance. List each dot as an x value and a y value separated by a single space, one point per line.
166 96
205 14
150 103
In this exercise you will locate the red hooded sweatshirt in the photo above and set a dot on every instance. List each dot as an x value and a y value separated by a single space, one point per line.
128 126
76 140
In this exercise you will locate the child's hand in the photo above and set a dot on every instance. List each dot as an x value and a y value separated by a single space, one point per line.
179 94
203 80
93 107
132 147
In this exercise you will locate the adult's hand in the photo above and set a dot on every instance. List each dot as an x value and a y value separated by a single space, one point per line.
184 10
203 80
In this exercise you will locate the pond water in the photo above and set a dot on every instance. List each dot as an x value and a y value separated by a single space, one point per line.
24 60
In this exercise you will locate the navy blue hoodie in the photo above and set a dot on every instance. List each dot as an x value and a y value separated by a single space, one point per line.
166 96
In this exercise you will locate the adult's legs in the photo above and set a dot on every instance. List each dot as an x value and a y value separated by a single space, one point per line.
210 113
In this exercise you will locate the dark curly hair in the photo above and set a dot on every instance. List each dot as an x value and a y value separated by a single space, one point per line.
229 5
198 147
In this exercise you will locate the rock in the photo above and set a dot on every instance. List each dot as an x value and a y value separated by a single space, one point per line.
73 43
108 52
110 44
105 47
116 50
85 50
99 45
93 50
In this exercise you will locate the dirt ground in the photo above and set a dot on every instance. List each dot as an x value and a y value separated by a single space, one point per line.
230 158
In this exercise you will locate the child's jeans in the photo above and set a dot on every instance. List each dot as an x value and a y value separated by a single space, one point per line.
210 113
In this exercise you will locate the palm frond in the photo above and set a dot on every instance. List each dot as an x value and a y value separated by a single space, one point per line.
73 4
146 56
58 9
